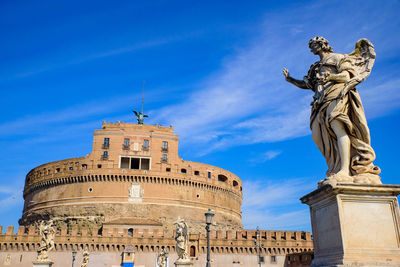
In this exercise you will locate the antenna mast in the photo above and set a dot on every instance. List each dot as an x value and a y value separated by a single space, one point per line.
144 82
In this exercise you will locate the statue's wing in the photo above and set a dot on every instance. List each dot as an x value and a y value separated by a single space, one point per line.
145 116
134 111
359 62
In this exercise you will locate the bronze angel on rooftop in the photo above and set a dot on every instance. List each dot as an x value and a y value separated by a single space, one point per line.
338 123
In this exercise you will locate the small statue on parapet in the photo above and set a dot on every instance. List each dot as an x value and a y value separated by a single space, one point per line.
162 258
182 239
46 230
85 260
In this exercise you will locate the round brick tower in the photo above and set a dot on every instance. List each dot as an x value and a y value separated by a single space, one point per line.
132 178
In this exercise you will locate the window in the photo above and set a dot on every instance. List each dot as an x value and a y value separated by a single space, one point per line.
126 143
209 175
164 158
106 143
196 173
98 166
57 170
130 232
183 170
84 166
105 155
71 168
168 169
222 178
273 259
165 146
192 251
235 184
145 144
135 163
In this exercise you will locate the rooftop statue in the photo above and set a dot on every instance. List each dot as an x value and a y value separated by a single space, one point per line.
140 116
46 230
338 123
182 239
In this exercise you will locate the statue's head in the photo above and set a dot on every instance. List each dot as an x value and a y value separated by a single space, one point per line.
319 42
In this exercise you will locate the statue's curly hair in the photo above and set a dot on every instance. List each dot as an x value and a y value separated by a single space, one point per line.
322 42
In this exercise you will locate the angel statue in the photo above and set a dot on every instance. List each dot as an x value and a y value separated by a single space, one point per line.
338 123
182 239
47 232
162 258
140 116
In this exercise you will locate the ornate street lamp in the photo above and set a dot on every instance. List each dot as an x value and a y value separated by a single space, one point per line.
73 257
258 245
209 216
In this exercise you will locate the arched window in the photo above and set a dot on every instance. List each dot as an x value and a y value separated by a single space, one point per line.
222 178
130 232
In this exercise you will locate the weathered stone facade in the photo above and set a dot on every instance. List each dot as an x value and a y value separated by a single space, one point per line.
125 196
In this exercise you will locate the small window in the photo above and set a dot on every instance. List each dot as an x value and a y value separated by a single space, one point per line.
145 164
130 232
98 166
84 166
145 144
57 170
192 251
90 190
164 158
183 170
168 169
125 163
126 142
222 178
235 183
71 168
106 143
209 175
196 173
48 171
273 259
105 155
197 196
135 163
165 146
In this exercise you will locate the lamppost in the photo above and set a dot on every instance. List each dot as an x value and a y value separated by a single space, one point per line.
258 245
209 216
73 257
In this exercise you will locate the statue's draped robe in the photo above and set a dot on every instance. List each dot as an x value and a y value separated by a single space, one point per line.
327 107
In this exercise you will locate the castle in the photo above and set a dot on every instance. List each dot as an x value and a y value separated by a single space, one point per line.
123 198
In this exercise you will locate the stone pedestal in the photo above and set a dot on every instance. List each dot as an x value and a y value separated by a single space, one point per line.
355 225
181 263
42 263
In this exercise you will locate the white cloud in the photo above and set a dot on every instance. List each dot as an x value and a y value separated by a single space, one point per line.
273 205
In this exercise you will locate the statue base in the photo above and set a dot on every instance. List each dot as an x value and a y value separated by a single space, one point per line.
355 225
48 263
183 263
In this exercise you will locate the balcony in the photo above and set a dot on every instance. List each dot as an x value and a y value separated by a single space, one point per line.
164 149
104 157
164 160
145 148
125 147
106 146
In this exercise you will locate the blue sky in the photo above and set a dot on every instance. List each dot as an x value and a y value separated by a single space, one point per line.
212 69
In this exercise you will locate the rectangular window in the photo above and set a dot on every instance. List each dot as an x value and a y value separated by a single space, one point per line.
165 146
135 163
125 163
126 142
145 144
105 155
209 175
145 164
273 259
196 173
164 158
106 143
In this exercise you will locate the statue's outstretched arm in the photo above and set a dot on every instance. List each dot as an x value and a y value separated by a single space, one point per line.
299 83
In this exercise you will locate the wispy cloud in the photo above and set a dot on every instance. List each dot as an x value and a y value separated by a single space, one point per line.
266 156
276 204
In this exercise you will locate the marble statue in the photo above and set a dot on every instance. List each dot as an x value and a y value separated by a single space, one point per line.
182 238
85 260
162 258
338 123
47 232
